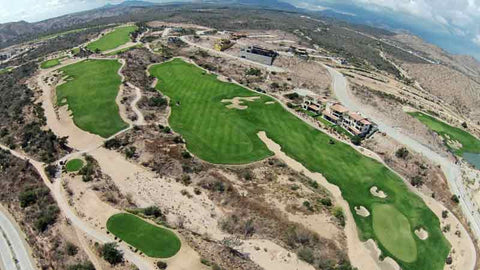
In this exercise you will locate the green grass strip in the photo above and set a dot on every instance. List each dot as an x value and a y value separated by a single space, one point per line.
90 93
112 40
50 63
152 240
221 135
125 49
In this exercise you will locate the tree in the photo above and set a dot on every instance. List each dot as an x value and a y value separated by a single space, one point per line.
111 254
464 125
161 265
455 199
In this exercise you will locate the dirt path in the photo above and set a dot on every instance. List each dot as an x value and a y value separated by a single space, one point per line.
138 96
453 173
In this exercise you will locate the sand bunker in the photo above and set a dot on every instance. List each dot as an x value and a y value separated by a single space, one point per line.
378 193
362 211
238 101
421 234
270 102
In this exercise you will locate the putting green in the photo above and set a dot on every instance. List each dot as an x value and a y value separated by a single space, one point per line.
74 165
90 92
50 63
112 40
152 240
394 232
218 133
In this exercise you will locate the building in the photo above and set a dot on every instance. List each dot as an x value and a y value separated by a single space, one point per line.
352 122
356 124
259 55
222 44
314 103
334 112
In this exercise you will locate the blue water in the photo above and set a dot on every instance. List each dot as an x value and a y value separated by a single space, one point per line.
473 159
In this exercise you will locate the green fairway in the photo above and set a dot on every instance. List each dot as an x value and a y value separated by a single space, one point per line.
394 232
74 165
119 51
469 144
152 240
221 135
90 92
50 63
112 40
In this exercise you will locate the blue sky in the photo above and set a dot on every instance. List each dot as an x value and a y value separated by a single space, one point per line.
452 24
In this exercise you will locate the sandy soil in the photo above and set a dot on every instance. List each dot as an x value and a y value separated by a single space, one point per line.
358 252
378 193
198 214
421 234
237 102
272 256
362 211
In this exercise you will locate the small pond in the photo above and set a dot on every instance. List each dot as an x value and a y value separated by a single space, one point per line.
473 158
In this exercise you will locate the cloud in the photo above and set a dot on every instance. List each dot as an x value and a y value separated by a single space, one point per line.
476 40
457 17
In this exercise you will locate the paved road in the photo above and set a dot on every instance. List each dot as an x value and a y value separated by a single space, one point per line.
450 169
14 253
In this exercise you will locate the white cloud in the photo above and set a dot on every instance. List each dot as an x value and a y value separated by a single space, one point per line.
476 40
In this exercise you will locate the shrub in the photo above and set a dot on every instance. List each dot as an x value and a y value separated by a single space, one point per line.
82 266
162 265
326 201
112 144
402 153
338 213
356 140
205 262
417 181
47 217
253 72
153 211
444 214
130 151
306 254
455 199
71 249
186 155
51 170
27 198
111 254
157 101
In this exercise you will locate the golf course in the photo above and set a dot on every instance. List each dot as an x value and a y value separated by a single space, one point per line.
457 140
152 240
90 91
220 122
113 39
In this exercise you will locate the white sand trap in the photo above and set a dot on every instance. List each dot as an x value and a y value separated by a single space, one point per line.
378 193
421 234
362 211
270 102
238 101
